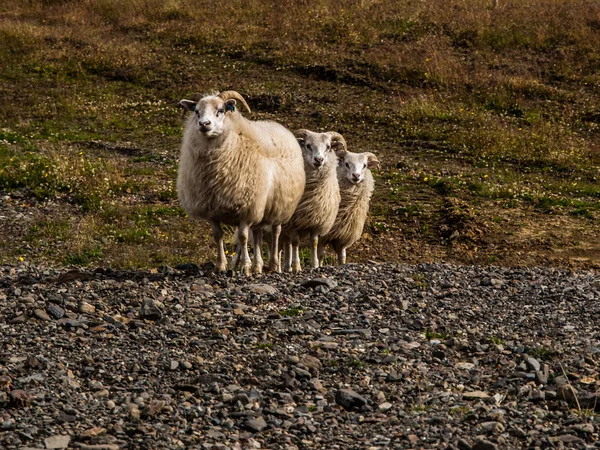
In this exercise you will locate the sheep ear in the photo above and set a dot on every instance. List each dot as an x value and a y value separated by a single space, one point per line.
188 105
230 105
300 141
372 161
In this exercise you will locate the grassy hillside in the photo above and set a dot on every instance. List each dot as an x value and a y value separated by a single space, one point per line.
487 121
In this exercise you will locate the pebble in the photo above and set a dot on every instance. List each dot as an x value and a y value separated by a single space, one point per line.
55 311
150 310
314 282
86 308
475 395
385 406
41 315
349 399
256 424
159 355
261 288
482 444
58 441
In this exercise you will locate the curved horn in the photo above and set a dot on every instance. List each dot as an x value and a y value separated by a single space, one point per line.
226 95
302 133
335 136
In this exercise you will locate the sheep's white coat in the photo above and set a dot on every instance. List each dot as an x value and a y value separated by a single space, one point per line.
245 173
318 207
356 188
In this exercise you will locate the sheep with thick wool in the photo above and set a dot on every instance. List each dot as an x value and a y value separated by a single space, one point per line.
238 172
356 188
318 207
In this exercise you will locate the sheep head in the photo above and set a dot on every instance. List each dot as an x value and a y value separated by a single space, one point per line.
210 111
318 148
353 166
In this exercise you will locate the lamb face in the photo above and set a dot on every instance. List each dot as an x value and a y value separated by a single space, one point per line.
353 166
318 148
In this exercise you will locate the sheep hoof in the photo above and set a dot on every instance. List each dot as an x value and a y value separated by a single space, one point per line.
258 270
296 268
247 271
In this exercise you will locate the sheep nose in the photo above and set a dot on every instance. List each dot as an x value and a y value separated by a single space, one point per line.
318 160
356 176
204 123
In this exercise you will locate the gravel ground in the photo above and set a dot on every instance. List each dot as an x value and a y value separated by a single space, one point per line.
356 357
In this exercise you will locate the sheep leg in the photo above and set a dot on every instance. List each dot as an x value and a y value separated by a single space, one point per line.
243 243
321 252
274 259
314 246
258 260
287 255
341 253
217 233
295 240
236 258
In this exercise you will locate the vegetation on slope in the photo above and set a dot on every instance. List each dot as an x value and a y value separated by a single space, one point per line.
486 120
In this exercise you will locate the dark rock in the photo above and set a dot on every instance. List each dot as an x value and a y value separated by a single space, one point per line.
256 424
261 289
313 283
349 399
150 311
482 444
55 311
41 315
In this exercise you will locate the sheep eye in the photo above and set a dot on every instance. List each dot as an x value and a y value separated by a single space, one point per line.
328 148
347 165
365 166
309 147
220 111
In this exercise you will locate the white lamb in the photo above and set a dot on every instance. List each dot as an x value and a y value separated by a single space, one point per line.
319 205
356 188
238 172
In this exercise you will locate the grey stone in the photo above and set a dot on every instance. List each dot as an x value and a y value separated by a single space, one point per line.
533 363
482 444
349 399
150 310
41 315
313 283
256 424
58 441
261 289
55 311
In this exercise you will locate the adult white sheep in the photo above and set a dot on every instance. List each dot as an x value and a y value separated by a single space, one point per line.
318 208
238 172
356 188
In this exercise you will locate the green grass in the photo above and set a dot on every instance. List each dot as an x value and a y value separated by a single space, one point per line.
291 312
264 345
429 335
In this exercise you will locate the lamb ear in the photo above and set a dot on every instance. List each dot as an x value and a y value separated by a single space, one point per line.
188 105
372 160
300 141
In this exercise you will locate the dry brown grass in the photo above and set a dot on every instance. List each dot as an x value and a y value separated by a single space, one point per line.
496 107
